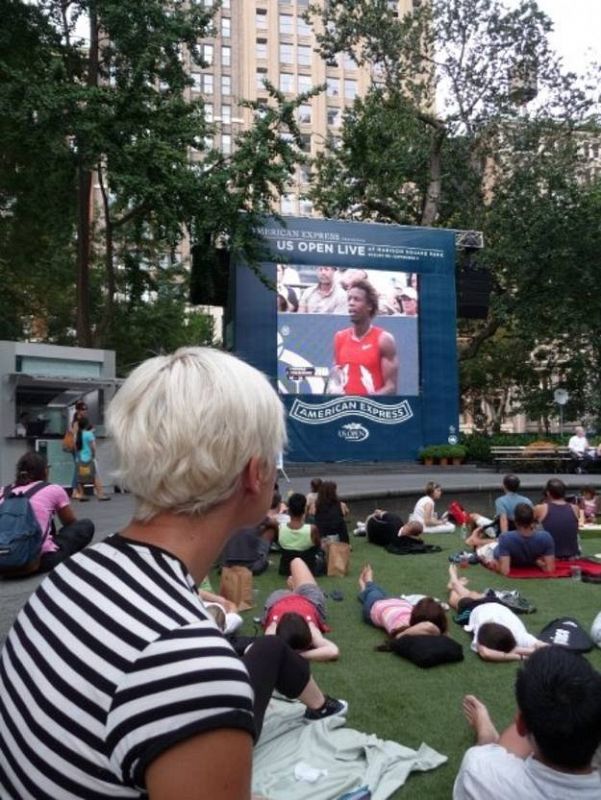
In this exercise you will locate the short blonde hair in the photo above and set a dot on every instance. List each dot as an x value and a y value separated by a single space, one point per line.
185 425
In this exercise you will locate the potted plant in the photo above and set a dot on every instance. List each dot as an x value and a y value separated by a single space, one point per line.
429 454
457 453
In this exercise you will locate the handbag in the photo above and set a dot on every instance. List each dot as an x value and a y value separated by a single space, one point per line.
86 471
338 555
237 586
69 442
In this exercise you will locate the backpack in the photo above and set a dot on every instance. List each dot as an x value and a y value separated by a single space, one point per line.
567 632
21 536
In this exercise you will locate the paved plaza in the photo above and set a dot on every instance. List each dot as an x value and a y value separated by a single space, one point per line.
379 483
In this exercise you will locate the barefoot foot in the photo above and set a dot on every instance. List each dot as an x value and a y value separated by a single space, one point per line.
478 718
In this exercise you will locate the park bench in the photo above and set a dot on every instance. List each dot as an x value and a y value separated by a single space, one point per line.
529 458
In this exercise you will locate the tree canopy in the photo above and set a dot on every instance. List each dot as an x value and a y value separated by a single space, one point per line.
473 123
108 165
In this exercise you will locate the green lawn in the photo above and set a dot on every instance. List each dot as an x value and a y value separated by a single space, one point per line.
395 700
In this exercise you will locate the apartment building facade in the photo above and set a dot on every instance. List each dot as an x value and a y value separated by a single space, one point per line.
258 40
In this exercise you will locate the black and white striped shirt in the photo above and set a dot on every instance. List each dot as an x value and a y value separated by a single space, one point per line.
110 662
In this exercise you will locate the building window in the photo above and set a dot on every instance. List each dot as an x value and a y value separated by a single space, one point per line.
286 23
334 117
207 54
306 142
225 4
226 84
226 56
348 62
261 20
226 143
303 56
286 82
305 83
226 27
350 89
261 49
304 173
208 109
286 54
196 81
261 77
207 84
304 114
226 114
333 87
306 207
303 28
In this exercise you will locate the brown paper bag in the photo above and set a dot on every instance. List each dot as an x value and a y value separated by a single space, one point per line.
339 554
237 586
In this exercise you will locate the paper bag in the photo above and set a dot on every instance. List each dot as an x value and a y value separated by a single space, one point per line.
237 586
339 554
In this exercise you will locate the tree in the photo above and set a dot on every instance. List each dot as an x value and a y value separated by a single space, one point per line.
117 105
472 124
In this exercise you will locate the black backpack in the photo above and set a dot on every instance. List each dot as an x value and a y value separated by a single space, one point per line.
21 536
569 633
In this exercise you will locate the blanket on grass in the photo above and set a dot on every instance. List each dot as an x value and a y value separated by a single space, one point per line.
562 569
350 759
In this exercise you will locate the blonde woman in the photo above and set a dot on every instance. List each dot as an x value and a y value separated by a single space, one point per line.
135 691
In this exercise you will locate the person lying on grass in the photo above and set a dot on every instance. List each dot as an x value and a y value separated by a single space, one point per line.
499 634
398 616
547 753
524 547
298 615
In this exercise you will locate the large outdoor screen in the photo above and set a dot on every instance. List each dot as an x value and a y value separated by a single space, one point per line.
347 331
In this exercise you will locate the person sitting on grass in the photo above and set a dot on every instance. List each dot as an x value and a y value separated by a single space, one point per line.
547 753
297 534
588 505
524 547
298 615
499 634
399 616
425 514
298 538
330 512
504 514
560 519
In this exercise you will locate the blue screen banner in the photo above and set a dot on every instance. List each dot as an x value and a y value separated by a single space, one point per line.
358 332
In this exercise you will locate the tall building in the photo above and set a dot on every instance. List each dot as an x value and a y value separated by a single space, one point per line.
269 39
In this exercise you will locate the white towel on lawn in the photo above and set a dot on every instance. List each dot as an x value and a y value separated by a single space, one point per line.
350 758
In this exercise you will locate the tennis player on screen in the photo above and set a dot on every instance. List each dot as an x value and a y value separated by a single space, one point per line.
365 357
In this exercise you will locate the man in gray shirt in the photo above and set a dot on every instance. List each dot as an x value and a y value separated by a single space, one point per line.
326 297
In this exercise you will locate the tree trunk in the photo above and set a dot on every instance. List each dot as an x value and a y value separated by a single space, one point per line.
84 199
432 200
83 324
109 299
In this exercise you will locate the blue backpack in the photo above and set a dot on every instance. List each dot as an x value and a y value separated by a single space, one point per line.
21 536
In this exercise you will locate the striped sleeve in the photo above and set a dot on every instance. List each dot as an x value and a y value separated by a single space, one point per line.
187 682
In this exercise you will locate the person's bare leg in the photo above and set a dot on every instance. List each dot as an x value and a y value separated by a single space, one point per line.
458 588
365 576
312 696
478 718
511 740
476 539
300 573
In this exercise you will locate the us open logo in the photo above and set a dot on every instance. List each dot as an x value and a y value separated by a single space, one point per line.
353 432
